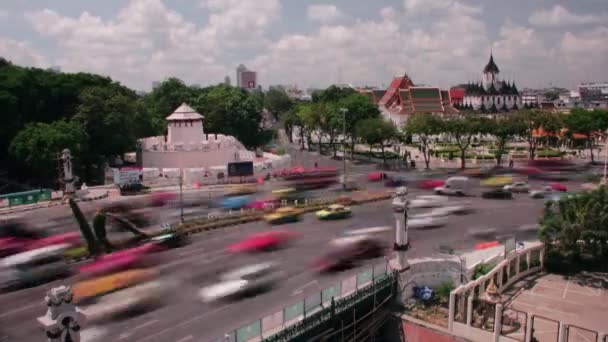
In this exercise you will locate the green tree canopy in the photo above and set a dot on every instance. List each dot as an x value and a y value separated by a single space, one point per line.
424 125
588 123
332 94
38 145
232 111
532 120
376 132
504 129
462 128
277 102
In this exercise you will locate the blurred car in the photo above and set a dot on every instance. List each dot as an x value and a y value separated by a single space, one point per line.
86 291
498 193
235 202
427 201
559 187
33 267
517 187
169 240
454 186
542 193
347 251
244 281
396 181
119 261
454 209
428 220
334 211
430 184
262 242
262 205
159 199
283 215
497 181
133 189
376 176
16 237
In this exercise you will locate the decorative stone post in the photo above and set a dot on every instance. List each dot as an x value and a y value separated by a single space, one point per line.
68 175
63 320
401 228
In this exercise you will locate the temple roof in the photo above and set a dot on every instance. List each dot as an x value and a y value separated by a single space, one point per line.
184 112
491 67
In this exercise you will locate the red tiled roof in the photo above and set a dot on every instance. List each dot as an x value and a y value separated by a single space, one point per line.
457 94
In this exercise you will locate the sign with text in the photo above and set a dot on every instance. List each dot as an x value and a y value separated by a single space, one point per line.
127 175
240 169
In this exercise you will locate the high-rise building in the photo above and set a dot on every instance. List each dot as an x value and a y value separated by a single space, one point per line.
227 80
245 78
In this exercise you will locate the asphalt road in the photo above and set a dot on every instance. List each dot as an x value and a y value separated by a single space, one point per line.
185 317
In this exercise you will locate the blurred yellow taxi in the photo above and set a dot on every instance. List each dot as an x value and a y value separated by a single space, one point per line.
498 181
89 289
334 211
283 215
244 189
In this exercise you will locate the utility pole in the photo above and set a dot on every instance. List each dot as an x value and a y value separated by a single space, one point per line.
344 111
181 196
605 162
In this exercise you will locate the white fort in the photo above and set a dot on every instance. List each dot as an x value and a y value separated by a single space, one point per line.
187 146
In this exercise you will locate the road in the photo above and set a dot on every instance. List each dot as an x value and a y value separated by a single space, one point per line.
184 317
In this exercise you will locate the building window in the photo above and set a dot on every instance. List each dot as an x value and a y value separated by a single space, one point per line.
498 99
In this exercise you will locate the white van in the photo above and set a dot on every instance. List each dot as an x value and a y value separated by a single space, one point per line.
454 186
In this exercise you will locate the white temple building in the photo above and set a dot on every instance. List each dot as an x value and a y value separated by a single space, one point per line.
198 155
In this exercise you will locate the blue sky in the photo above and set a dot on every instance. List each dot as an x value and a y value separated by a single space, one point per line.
312 42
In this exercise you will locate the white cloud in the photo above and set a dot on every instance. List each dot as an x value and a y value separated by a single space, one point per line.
21 53
388 13
373 51
237 21
559 16
147 41
584 54
416 7
323 13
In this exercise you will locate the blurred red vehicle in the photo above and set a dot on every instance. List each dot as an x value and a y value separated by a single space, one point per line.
262 242
376 176
16 237
159 199
262 205
347 252
119 261
558 187
431 184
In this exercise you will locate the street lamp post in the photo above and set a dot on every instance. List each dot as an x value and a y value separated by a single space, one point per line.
605 163
344 111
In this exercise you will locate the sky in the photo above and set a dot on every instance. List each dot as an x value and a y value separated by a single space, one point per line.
312 43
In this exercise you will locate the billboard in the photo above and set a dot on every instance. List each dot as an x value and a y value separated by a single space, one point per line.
240 169
127 175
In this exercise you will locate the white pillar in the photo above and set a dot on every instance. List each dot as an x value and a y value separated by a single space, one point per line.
63 320
497 321
563 332
542 258
517 261
469 310
528 255
529 319
452 310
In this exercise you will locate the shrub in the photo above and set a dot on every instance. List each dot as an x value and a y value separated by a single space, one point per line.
443 291
481 270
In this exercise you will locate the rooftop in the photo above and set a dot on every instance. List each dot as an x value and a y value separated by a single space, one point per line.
184 112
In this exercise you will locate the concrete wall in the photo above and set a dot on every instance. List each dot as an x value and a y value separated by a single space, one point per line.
189 159
429 272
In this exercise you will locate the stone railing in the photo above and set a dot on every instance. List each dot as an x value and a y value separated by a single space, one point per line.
515 266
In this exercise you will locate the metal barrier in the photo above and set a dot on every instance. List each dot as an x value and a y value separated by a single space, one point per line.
579 334
316 308
514 324
544 329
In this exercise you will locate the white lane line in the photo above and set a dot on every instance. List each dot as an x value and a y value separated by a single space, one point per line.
145 324
184 339
299 290
186 322
23 308
566 289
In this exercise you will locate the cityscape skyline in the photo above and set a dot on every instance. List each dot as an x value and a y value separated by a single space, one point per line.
548 43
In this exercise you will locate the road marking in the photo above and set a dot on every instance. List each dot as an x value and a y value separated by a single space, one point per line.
187 338
566 289
23 308
186 322
299 290
150 322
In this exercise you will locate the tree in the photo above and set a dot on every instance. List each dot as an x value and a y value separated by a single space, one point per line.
424 125
588 123
332 94
531 123
504 129
330 123
167 96
377 132
38 145
232 111
358 109
551 95
290 120
462 128
308 124
277 102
